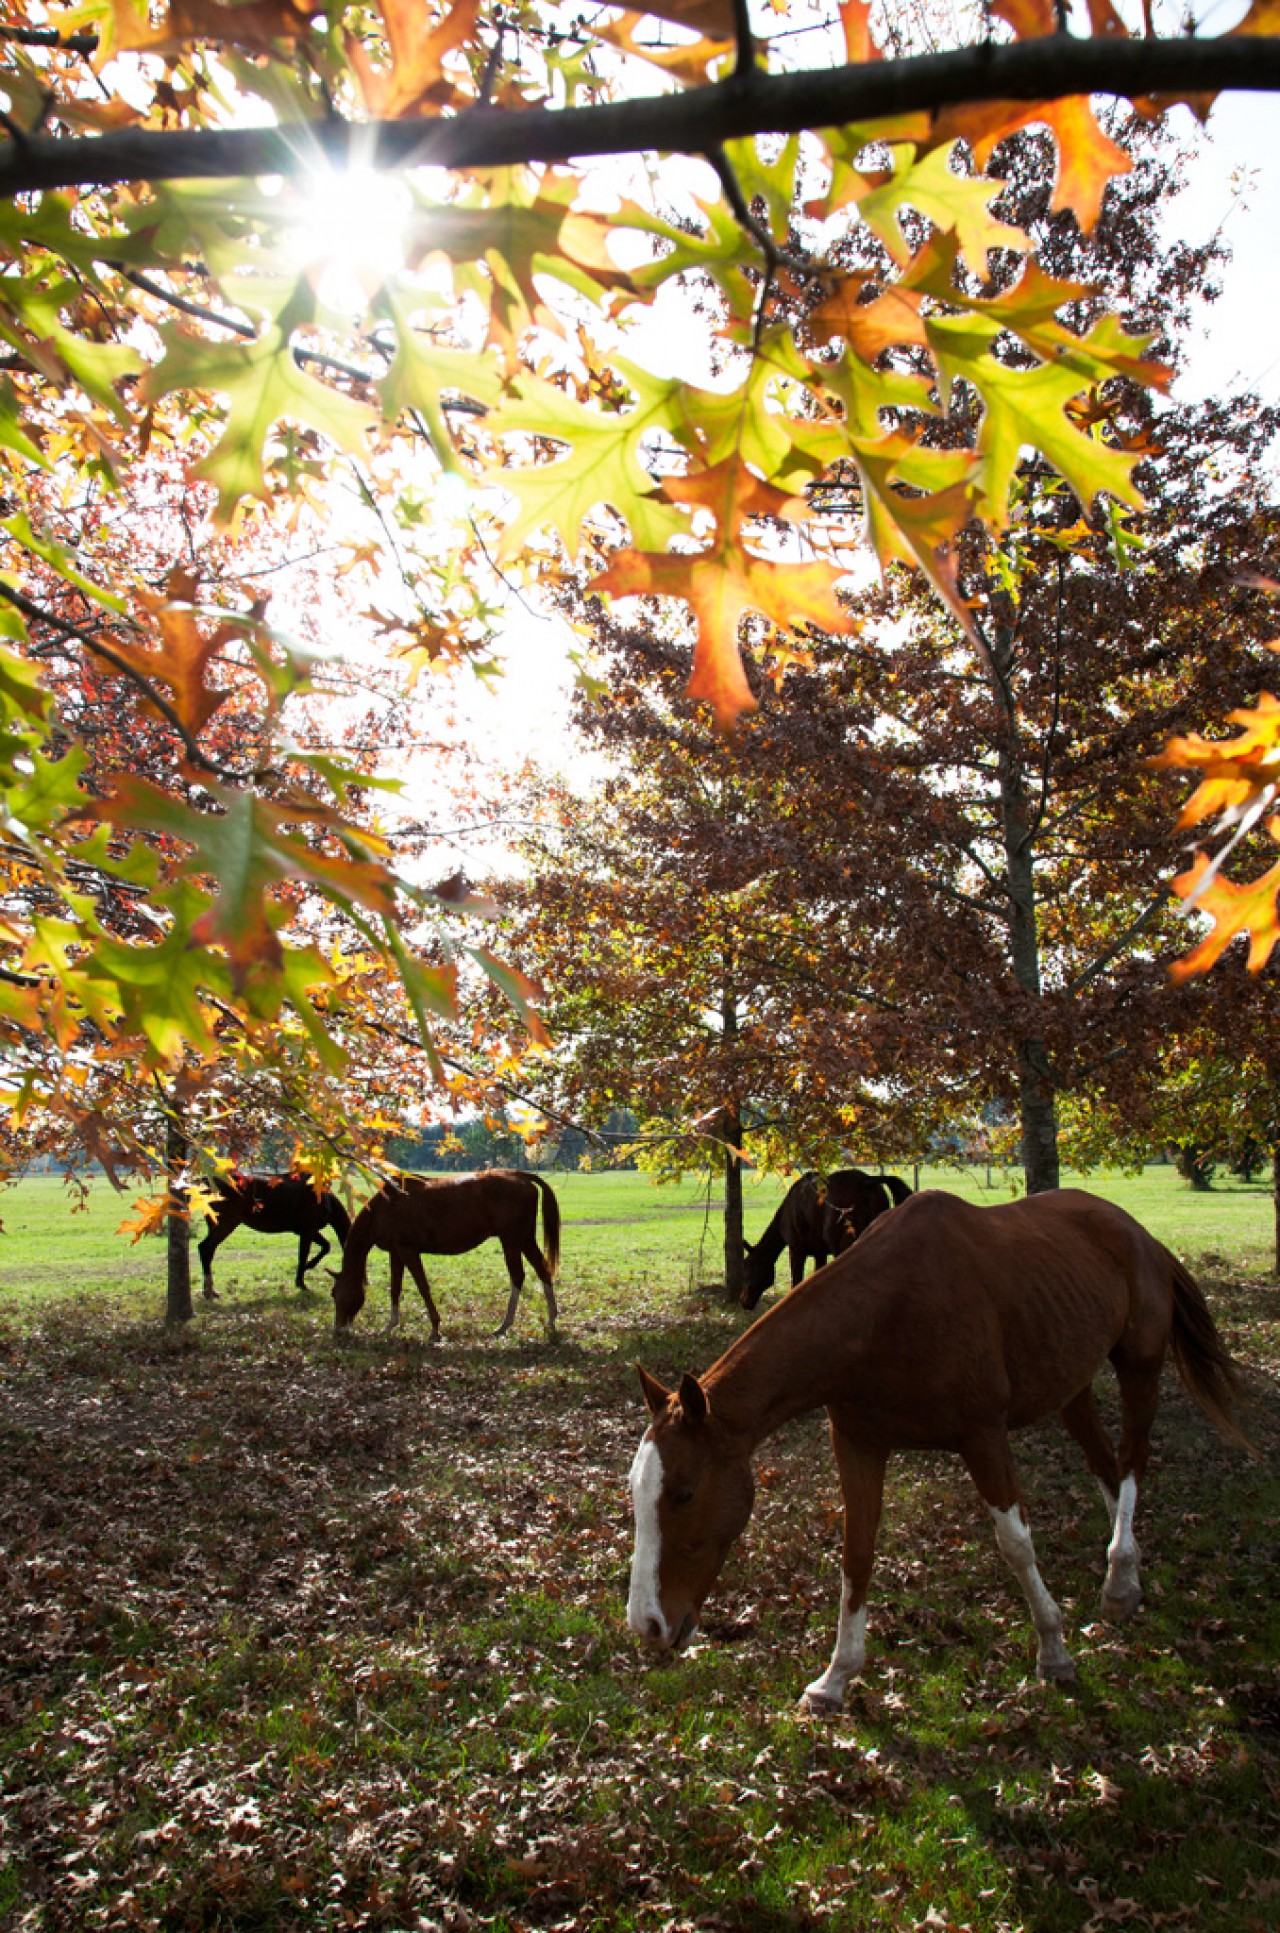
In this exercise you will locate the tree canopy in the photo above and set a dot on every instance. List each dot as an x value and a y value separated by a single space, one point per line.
885 349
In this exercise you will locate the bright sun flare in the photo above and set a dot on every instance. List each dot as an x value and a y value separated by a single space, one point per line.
350 232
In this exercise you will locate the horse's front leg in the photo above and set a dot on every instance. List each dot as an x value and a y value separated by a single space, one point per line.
397 1285
990 1463
797 1256
862 1486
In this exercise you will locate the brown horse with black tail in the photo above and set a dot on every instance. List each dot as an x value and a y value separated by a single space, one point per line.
817 1220
415 1215
944 1328
274 1205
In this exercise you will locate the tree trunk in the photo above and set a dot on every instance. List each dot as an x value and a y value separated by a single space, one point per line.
178 1304
1036 1107
734 1259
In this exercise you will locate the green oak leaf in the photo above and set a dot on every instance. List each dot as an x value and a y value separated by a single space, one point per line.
422 372
1026 408
263 384
602 464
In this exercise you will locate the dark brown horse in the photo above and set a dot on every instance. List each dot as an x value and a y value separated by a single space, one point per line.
274 1205
817 1219
416 1215
944 1328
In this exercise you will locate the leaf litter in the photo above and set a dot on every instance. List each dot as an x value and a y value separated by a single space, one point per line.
306 1638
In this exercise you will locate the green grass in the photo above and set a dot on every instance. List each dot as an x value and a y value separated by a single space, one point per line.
303 1637
656 1239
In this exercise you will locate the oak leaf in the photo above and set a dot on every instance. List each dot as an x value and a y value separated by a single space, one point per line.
1236 770
418 47
1251 909
721 587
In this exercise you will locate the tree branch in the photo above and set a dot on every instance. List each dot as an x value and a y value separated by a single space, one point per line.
1050 67
1121 943
92 643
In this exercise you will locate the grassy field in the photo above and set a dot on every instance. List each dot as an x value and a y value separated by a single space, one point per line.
301 1637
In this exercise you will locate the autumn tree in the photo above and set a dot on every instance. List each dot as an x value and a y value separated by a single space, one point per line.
166 293
692 917
1031 859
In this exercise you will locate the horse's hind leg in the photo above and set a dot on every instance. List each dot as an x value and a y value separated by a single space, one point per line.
862 1486
990 1464
305 1265
1080 1417
514 1257
538 1262
1139 1396
414 1264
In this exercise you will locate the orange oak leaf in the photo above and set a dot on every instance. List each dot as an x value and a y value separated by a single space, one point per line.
1235 770
1250 909
722 586
418 46
258 24
869 327
733 493
183 655
1087 157
706 16
1263 17
687 62
855 20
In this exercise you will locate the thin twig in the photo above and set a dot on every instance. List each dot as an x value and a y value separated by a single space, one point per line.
94 644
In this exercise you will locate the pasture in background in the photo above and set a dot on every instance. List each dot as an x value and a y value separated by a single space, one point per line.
304 1637
620 1228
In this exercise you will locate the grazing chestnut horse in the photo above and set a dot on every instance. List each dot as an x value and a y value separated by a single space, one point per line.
274 1205
418 1215
820 1220
943 1328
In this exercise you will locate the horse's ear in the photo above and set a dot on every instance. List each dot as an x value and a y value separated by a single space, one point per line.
693 1398
655 1396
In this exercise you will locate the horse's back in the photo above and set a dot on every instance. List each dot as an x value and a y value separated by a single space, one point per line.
450 1214
273 1204
1022 1301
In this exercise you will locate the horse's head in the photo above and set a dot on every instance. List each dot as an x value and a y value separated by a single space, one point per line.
691 1490
348 1293
757 1276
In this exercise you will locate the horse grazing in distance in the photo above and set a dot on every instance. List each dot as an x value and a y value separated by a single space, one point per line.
853 1200
944 1328
274 1205
818 1220
417 1215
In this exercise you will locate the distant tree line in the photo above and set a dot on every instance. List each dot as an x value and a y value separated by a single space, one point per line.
464 1146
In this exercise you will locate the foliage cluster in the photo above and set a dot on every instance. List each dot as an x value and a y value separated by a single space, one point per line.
886 346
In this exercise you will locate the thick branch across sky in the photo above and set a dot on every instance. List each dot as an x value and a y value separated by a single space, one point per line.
688 123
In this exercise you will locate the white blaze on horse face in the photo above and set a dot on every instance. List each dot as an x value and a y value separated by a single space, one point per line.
644 1610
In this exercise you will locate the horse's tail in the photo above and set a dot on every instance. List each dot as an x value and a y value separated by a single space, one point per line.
897 1188
550 1222
1209 1373
336 1216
